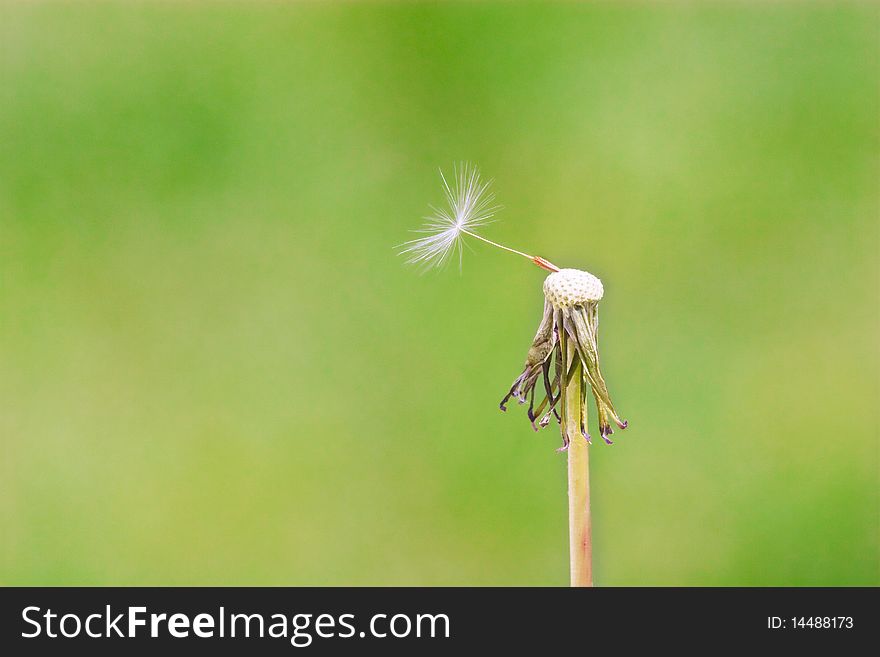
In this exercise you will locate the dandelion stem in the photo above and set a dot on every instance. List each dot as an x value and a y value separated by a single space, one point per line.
538 260
579 522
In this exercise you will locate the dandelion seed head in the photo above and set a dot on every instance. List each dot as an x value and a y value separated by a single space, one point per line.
572 287
469 205
564 357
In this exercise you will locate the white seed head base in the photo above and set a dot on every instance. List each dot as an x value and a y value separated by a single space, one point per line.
572 287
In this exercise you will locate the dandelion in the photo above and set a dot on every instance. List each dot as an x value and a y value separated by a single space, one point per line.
569 335
562 364
567 343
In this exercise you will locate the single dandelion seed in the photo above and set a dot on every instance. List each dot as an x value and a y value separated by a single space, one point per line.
470 206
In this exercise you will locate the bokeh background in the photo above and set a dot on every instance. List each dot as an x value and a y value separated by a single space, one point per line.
215 370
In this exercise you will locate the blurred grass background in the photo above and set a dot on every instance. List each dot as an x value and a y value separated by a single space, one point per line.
215 370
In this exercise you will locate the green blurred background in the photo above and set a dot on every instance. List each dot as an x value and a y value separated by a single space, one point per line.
215 370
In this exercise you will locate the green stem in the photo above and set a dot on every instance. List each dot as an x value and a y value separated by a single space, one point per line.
579 522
